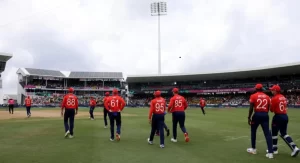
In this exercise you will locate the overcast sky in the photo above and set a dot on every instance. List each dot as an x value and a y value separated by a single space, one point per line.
120 35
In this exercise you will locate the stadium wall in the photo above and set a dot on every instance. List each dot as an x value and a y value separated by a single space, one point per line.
1 92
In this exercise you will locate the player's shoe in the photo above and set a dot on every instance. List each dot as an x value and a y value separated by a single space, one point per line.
71 136
162 146
92 119
251 151
295 152
149 142
118 137
105 126
274 152
173 140
67 134
186 137
168 132
269 155
111 139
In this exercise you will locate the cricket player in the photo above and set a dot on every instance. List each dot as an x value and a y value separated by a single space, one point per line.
92 107
202 105
260 103
70 105
28 103
11 104
105 111
177 106
280 121
157 118
114 105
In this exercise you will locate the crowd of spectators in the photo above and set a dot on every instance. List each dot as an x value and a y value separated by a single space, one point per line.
229 100
75 84
56 99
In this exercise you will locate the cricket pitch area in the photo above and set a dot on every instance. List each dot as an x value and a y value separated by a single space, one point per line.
221 136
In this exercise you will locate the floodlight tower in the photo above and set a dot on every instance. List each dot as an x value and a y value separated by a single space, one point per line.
159 9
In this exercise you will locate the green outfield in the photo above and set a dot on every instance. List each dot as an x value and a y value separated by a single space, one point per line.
221 136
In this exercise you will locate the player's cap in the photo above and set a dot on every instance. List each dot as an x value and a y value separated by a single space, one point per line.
71 90
115 91
175 90
28 96
92 97
258 86
157 93
106 93
275 88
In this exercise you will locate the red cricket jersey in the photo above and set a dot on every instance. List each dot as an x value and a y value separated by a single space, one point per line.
70 101
177 103
114 103
93 102
28 102
261 102
202 103
157 106
279 104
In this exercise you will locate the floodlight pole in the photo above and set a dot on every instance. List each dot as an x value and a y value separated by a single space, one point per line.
159 49
158 9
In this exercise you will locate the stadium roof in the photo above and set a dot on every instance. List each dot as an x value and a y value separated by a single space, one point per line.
41 72
67 74
284 69
100 75
4 57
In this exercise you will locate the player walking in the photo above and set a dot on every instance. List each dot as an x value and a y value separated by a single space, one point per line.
70 104
92 107
202 105
177 106
260 102
280 121
115 104
105 111
157 118
28 103
11 104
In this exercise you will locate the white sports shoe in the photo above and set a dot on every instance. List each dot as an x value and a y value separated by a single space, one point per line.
150 142
67 133
295 152
92 119
105 126
71 136
251 151
173 140
269 155
111 139
274 152
162 146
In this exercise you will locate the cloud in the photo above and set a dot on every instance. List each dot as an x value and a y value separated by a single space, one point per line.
99 35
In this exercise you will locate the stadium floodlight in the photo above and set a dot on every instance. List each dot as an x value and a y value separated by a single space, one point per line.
158 9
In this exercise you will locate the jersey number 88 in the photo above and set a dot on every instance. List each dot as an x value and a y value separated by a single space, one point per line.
71 102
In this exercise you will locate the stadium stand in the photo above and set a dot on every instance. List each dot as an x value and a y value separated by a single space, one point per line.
47 87
4 57
220 89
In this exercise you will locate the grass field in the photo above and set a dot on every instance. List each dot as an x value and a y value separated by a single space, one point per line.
221 136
